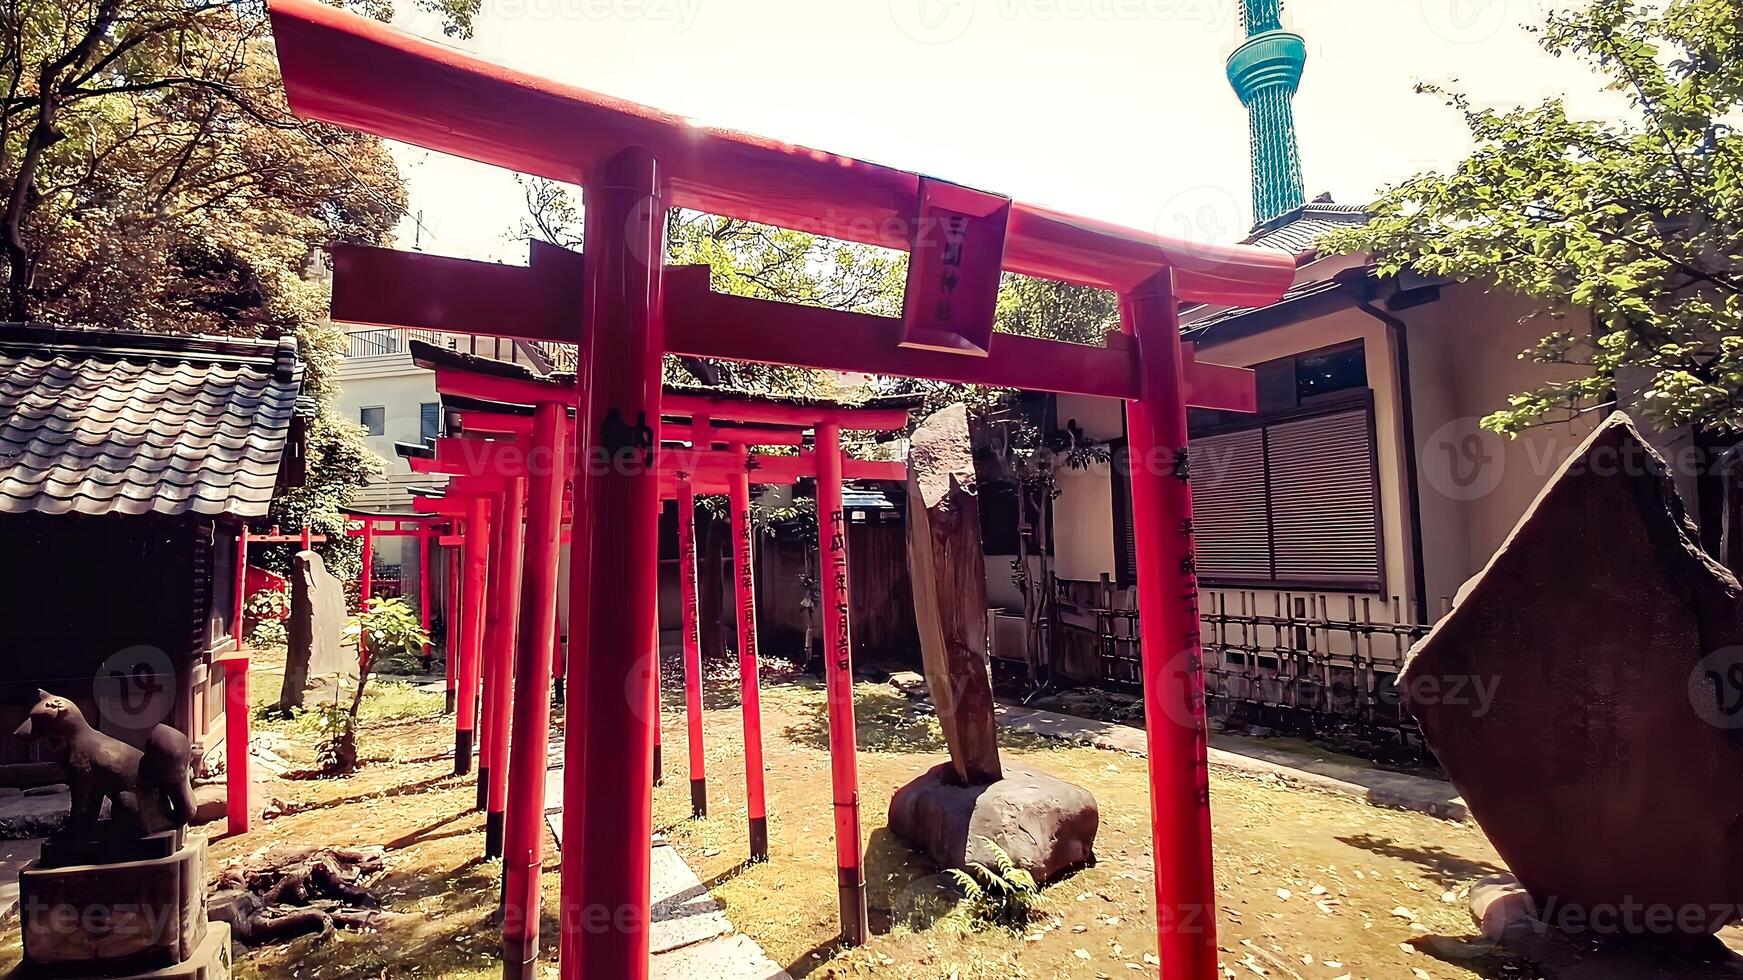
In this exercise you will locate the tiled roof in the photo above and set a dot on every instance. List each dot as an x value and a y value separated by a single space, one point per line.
1297 233
1301 229
103 422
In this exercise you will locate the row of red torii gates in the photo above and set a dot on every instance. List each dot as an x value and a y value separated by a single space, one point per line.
426 530
502 456
625 309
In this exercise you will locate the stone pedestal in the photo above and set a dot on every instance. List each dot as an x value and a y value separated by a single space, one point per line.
1045 825
139 913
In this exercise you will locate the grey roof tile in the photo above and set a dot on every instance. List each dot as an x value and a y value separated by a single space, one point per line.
103 422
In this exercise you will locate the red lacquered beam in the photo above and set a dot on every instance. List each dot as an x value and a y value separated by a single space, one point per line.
692 647
451 623
838 674
707 324
490 388
703 323
477 560
524 848
740 410
238 785
608 787
389 288
239 609
345 69
749 680
497 424
424 553
1167 593
503 640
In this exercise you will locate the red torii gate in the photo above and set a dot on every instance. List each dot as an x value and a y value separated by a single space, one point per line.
489 463
625 309
493 399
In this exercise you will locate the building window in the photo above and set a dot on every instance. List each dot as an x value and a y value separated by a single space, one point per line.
1290 498
1292 502
374 420
429 421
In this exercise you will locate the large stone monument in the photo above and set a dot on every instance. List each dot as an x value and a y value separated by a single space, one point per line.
1045 825
1585 694
314 650
120 892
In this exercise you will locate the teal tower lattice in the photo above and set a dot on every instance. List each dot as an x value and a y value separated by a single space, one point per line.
1265 72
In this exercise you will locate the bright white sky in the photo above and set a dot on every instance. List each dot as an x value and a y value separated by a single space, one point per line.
1115 109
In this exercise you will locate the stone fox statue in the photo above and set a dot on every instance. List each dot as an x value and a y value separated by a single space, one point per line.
148 788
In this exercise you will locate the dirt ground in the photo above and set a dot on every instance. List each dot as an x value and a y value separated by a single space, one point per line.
1310 886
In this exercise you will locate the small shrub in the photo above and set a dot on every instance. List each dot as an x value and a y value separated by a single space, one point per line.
1003 896
336 750
269 634
402 664
385 629
267 604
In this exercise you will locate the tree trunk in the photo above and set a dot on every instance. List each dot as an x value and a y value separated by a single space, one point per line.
949 578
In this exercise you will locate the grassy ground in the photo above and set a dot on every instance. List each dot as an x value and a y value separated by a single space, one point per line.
1310 886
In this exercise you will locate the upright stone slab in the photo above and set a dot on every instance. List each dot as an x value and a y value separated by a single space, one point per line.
1044 824
317 622
948 571
1585 695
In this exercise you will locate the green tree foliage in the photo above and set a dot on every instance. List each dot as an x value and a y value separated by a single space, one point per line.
152 177
384 630
1637 221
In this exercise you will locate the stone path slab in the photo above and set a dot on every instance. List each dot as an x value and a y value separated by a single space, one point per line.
1328 775
689 935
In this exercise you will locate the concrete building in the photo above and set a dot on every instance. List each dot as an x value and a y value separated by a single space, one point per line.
395 402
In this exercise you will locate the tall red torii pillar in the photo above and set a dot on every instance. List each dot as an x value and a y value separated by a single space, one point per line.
634 164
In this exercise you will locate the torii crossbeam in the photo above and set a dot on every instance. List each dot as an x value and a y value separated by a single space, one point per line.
625 310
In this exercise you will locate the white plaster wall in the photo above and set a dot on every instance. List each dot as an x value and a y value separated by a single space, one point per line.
400 387
1475 485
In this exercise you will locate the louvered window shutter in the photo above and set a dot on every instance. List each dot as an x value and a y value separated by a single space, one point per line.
429 421
1228 506
1125 540
1324 500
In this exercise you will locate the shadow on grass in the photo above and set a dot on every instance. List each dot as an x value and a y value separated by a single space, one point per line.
1444 866
404 789
427 834
1533 954
883 722
888 722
